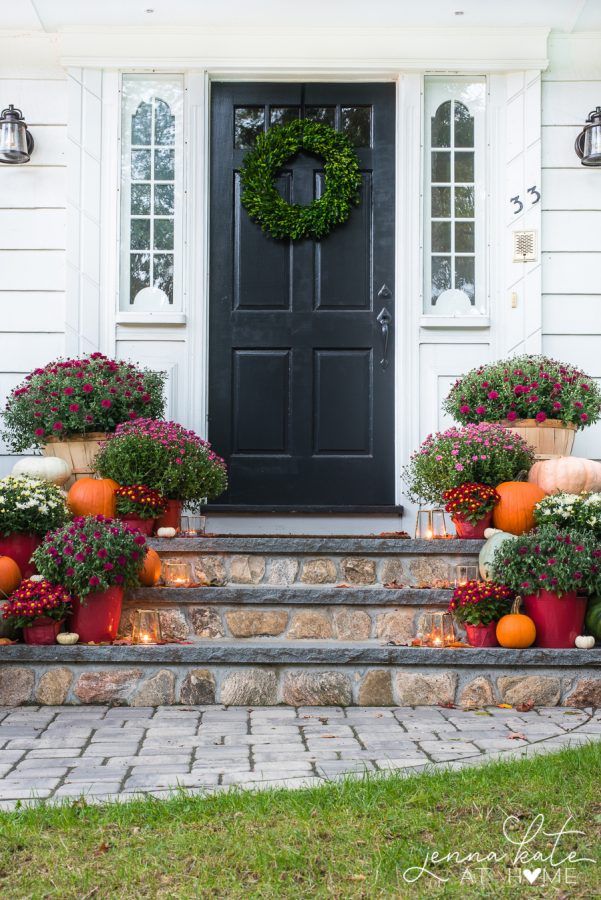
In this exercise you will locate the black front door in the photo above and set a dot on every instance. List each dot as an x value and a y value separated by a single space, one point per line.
300 403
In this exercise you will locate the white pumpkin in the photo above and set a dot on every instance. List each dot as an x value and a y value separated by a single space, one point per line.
67 638
585 642
571 474
487 553
166 532
45 468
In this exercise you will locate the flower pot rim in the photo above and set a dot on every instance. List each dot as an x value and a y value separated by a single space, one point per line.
532 423
556 595
74 438
43 621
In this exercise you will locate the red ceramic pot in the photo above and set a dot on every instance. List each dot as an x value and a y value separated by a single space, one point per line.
144 526
465 529
171 518
20 547
482 635
558 620
97 618
42 631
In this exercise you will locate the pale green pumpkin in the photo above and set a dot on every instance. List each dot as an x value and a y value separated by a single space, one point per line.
494 539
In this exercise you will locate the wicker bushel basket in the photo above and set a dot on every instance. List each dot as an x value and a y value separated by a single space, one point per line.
79 451
548 439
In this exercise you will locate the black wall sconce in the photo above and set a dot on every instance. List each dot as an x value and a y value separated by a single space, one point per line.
588 142
16 143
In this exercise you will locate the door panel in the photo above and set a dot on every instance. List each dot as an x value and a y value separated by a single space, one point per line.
298 402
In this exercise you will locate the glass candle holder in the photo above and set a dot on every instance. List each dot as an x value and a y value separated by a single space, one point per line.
193 526
430 525
437 629
146 628
465 573
177 574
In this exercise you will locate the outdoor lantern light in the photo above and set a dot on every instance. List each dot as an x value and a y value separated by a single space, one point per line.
16 143
465 573
146 627
437 630
430 524
588 142
177 574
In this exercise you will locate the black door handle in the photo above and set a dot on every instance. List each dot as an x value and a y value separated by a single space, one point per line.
384 318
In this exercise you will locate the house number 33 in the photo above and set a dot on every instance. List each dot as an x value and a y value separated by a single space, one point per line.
535 197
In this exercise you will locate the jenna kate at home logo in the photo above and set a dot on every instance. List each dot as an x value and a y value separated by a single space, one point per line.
533 854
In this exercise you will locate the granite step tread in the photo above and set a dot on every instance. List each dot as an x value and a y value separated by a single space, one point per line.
287 545
294 595
301 652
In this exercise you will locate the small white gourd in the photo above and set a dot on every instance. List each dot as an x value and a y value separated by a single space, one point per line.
36 577
585 642
166 532
67 638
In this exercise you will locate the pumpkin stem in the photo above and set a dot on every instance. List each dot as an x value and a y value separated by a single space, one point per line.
515 607
522 476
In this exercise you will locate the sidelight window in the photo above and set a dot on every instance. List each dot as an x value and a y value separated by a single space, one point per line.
151 193
454 167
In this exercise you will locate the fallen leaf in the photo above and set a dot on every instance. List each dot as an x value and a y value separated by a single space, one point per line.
516 736
525 707
359 877
103 848
394 585
504 706
448 705
343 585
395 534
4 641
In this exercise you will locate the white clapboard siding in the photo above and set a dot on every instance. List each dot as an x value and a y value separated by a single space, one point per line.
32 187
33 238
576 231
42 101
568 314
569 102
570 188
558 147
571 273
22 355
32 270
30 229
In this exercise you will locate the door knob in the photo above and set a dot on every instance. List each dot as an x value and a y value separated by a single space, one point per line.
384 318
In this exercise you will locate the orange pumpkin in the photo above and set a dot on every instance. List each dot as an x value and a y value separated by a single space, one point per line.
516 631
515 510
93 497
151 570
10 576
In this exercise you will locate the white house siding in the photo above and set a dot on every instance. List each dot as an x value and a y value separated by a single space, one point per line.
571 227
33 234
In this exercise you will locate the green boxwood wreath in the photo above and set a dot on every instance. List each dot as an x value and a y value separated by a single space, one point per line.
273 149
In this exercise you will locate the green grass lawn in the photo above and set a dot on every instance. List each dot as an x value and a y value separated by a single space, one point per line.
350 839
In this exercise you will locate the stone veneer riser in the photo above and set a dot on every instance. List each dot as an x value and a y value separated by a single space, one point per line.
218 568
208 613
301 676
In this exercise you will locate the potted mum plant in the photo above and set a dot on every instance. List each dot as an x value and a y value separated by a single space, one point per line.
28 509
39 608
139 506
95 559
581 512
543 400
552 570
470 506
484 454
167 458
479 605
68 407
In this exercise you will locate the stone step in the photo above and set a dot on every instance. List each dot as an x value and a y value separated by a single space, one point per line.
299 673
358 613
281 561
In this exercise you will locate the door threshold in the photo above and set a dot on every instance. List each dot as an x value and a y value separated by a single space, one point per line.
254 510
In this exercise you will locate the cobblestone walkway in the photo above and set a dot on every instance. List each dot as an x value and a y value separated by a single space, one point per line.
60 753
